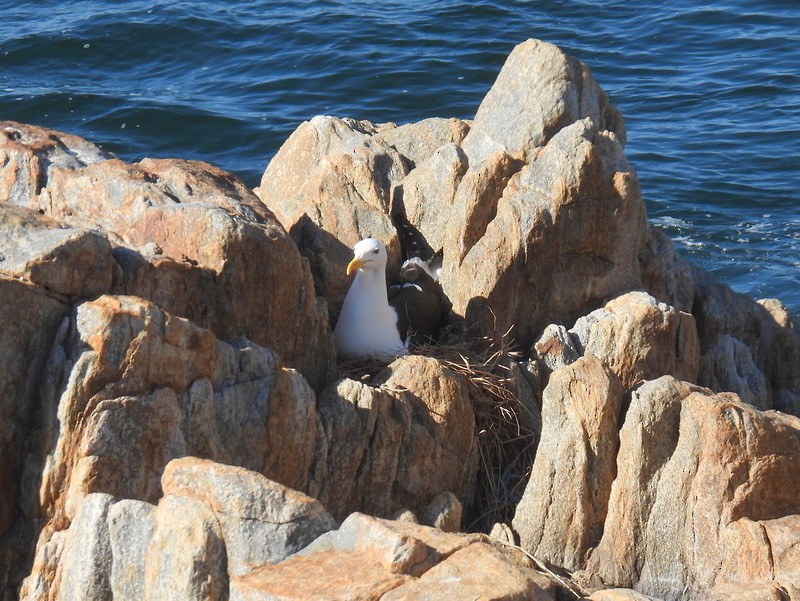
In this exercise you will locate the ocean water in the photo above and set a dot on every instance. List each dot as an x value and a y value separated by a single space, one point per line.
710 92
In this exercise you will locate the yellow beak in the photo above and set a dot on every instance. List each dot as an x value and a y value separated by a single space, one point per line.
355 264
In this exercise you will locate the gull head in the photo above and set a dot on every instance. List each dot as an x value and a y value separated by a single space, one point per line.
369 254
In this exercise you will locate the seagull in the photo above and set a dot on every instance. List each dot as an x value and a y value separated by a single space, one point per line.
367 325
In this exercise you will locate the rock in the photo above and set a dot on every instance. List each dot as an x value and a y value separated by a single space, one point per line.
370 558
444 513
330 186
261 521
68 261
474 572
555 348
29 323
396 446
705 497
560 517
565 235
86 559
130 527
417 142
665 274
502 533
29 155
766 328
640 339
619 594
728 366
189 236
428 194
134 387
186 557
539 91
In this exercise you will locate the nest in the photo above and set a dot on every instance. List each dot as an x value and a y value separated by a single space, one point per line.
506 446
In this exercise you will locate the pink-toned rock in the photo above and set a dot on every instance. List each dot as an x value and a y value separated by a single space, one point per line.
640 339
418 141
261 521
538 91
73 262
186 558
666 275
396 446
475 572
330 186
369 558
564 235
29 154
560 516
620 594
132 387
769 331
704 484
191 238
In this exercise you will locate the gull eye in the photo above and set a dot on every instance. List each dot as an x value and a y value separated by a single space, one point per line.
376 251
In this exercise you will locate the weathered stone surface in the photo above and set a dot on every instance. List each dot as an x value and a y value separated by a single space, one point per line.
130 527
29 322
475 572
728 366
561 514
444 513
565 235
538 91
29 155
85 566
370 558
261 521
428 194
330 186
702 482
555 348
186 557
620 594
396 446
665 274
191 238
131 387
640 339
418 141
63 260
766 328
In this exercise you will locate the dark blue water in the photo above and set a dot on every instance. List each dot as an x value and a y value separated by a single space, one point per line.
710 92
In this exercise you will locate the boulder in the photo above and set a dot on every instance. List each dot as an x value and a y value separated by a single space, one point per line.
561 514
133 387
68 261
728 366
705 497
261 521
640 339
30 154
330 186
563 236
371 559
417 142
555 347
186 558
28 325
398 445
189 237
766 327
539 91
665 274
